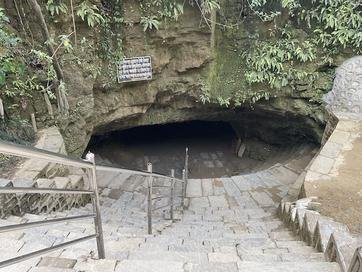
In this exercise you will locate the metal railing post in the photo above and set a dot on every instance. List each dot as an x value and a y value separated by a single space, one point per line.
172 192
149 199
186 178
187 163
183 193
96 207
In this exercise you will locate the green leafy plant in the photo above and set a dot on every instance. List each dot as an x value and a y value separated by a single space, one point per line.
56 7
208 6
90 13
150 23
292 54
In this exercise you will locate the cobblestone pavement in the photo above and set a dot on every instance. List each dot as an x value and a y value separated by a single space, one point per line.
230 225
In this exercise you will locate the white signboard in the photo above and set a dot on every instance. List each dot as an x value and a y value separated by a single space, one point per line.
135 69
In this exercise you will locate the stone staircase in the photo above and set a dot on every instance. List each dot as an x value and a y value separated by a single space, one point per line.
231 224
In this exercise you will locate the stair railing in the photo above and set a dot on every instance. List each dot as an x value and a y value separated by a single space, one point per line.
171 196
185 176
90 168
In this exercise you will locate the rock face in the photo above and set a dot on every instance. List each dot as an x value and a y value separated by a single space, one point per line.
346 95
180 54
187 55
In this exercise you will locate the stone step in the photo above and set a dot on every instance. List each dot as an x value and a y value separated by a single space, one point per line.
168 256
288 267
156 265
282 257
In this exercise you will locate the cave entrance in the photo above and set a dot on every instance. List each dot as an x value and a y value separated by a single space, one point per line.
213 149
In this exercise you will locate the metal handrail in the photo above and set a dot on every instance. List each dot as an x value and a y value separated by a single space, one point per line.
30 152
44 222
25 190
45 251
35 153
134 172
172 195
91 168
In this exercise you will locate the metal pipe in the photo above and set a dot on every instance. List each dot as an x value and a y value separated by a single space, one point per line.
149 200
183 190
96 208
135 172
44 251
172 192
36 153
25 190
32 152
44 223
186 169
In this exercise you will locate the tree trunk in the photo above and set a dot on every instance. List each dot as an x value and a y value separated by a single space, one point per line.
2 112
63 104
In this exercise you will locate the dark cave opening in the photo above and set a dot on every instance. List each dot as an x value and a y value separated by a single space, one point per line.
213 149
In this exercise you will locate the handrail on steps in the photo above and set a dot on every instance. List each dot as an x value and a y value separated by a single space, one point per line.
89 165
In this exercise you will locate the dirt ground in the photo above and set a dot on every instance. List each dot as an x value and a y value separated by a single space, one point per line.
341 197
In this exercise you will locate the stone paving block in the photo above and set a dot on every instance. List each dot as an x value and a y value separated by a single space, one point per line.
282 235
230 187
168 256
91 265
288 267
261 257
218 257
23 182
205 155
218 164
322 165
57 262
207 187
149 266
194 188
209 164
242 183
308 257
275 250
5 183
214 267
51 269
199 202
263 199
339 137
331 150
9 248
61 182
22 266
190 248
218 201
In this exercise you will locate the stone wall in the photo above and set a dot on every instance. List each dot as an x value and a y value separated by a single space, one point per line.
334 176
